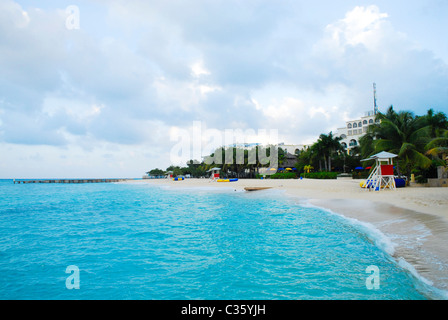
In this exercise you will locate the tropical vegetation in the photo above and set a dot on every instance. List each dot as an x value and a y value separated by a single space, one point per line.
421 143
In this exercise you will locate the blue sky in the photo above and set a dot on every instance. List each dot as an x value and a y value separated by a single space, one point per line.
103 100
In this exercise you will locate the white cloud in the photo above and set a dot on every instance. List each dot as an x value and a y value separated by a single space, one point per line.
364 47
362 30
14 15
362 25
135 69
74 109
198 69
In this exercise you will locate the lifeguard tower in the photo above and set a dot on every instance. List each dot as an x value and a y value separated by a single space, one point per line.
382 176
214 173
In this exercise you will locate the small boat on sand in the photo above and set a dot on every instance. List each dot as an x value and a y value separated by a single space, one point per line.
256 188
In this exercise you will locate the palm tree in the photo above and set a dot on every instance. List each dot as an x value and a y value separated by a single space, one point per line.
403 134
304 159
330 144
317 153
366 146
437 122
438 148
308 168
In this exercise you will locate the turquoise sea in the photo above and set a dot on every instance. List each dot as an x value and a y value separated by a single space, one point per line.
138 241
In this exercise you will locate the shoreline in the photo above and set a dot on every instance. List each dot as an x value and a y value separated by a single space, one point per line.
427 200
414 219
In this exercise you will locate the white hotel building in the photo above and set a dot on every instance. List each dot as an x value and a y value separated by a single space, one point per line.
355 129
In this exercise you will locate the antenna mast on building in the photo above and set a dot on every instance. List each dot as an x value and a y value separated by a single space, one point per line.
375 107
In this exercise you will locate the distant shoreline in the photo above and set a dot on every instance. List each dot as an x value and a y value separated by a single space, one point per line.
26 181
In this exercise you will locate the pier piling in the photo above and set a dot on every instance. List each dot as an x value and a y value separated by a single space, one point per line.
68 180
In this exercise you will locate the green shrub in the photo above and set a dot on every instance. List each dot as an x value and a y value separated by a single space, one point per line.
320 175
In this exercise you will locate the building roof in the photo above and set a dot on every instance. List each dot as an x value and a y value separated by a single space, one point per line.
290 160
381 155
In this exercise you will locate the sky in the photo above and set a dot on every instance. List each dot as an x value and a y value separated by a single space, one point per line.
103 89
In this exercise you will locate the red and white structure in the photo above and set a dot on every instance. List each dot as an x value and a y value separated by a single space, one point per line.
214 173
382 175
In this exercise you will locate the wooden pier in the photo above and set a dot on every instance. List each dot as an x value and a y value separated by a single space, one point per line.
69 180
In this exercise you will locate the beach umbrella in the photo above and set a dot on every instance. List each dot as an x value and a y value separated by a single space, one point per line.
281 169
359 168
273 169
288 169
368 168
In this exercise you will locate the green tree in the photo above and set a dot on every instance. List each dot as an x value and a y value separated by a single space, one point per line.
325 148
195 168
438 148
437 123
303 159
366 147
317 154
404 134
156 172
177 171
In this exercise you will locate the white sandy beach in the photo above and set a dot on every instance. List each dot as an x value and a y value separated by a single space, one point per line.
424 200
414 219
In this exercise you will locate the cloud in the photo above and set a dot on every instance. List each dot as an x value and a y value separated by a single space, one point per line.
362 25
364 47
30 129
135 69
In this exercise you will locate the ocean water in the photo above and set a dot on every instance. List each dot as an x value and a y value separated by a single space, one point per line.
137 241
